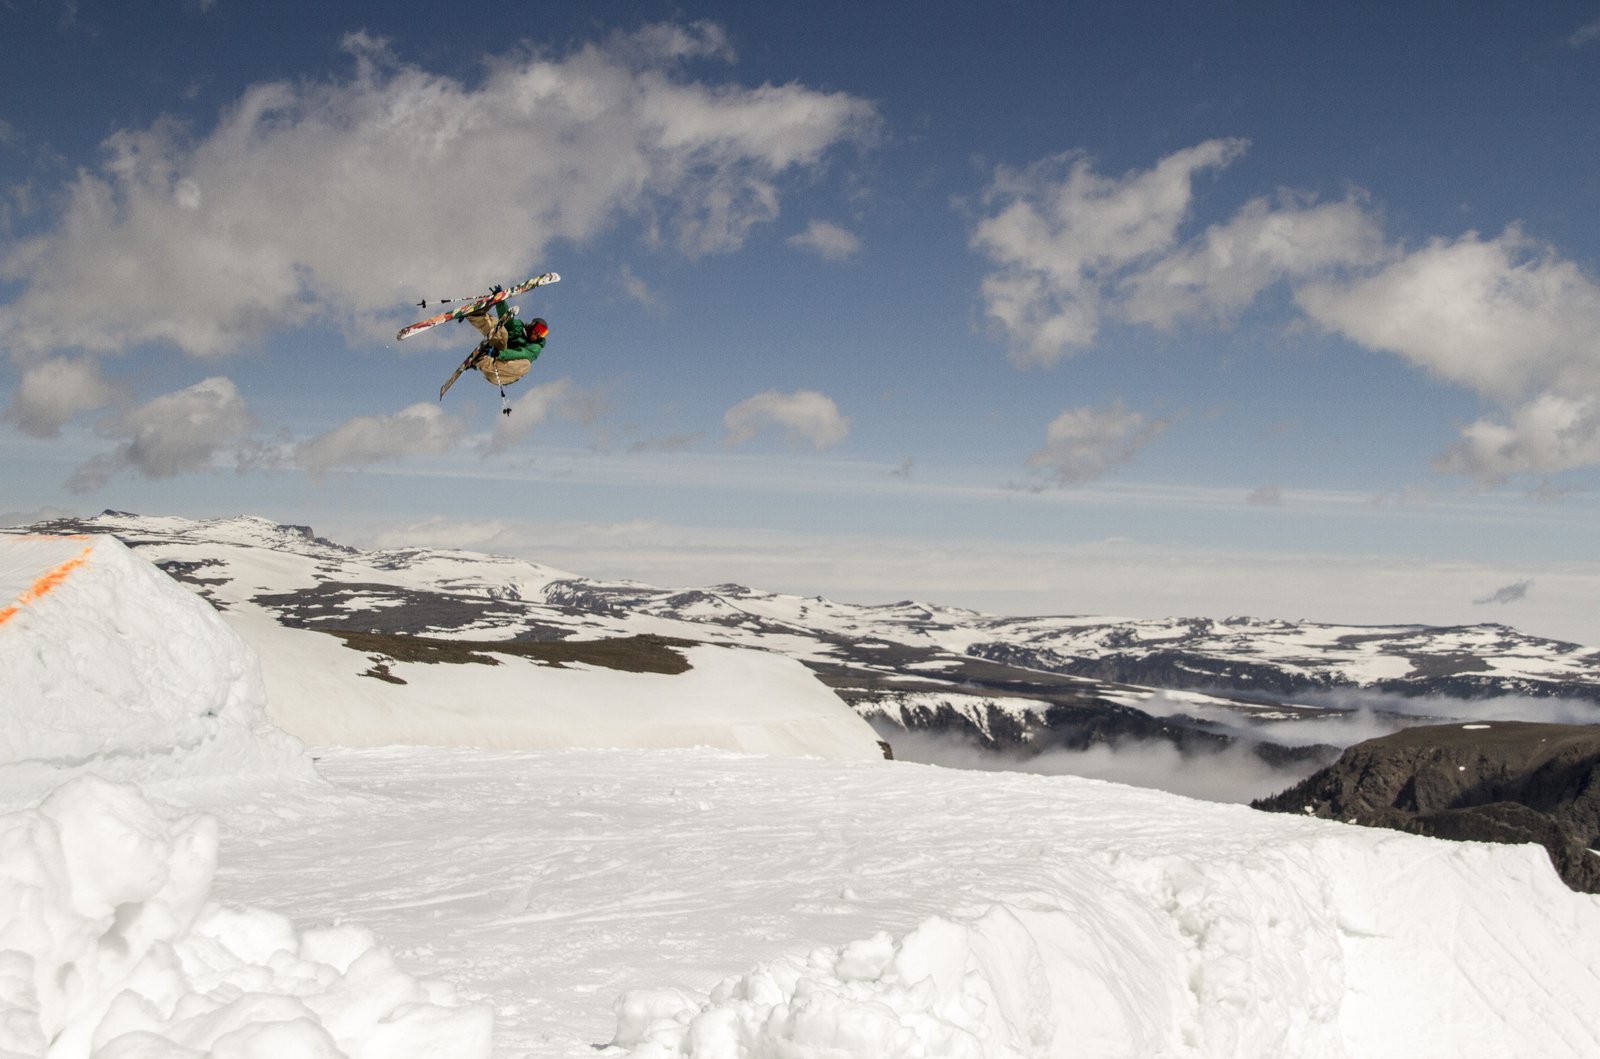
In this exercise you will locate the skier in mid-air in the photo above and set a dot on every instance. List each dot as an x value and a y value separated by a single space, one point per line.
509 345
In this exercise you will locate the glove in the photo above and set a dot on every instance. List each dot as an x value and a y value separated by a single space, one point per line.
496 289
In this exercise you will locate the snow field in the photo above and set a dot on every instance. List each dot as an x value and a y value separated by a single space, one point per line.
702 904
686 903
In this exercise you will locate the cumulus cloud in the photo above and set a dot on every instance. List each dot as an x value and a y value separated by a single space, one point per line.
1082 444
827 240
419 429
805 415
280 209
1507 317
536 405
173 434
1075 248
51 392
1221 272
1550 433
1503 316
1059 232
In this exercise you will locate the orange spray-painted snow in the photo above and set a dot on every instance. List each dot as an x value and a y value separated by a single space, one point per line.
47 583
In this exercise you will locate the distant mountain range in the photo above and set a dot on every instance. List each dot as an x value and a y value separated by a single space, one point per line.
1011 685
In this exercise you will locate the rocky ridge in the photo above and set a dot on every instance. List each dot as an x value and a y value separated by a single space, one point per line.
1506 782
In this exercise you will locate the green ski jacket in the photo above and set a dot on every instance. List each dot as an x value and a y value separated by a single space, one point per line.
519 344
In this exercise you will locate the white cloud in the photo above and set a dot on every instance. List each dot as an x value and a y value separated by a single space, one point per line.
1060 232
173 434
1220 273
419 429
1505 316
534 406
284 206
51 392
1550 433
827 240
1082 444
805 415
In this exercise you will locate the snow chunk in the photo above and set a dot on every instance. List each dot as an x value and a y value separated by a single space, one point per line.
964 989
111 948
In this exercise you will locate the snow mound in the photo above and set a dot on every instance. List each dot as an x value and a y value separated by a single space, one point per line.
110 666
1338 949
110 947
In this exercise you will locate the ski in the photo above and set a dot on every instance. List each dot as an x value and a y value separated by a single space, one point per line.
471 361
476 305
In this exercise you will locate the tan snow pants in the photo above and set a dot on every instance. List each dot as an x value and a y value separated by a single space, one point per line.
490 328
499 372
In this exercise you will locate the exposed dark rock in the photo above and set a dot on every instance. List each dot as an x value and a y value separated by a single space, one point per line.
631 654
1509 781
382 608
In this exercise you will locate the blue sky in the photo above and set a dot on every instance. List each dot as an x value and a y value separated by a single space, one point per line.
1122 308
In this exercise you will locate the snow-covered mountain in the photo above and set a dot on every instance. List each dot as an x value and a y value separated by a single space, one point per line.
420 646
180 879
1021 687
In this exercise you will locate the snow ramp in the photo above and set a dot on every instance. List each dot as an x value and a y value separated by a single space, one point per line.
109 666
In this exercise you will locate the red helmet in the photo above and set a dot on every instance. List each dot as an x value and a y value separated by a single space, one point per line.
537 327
